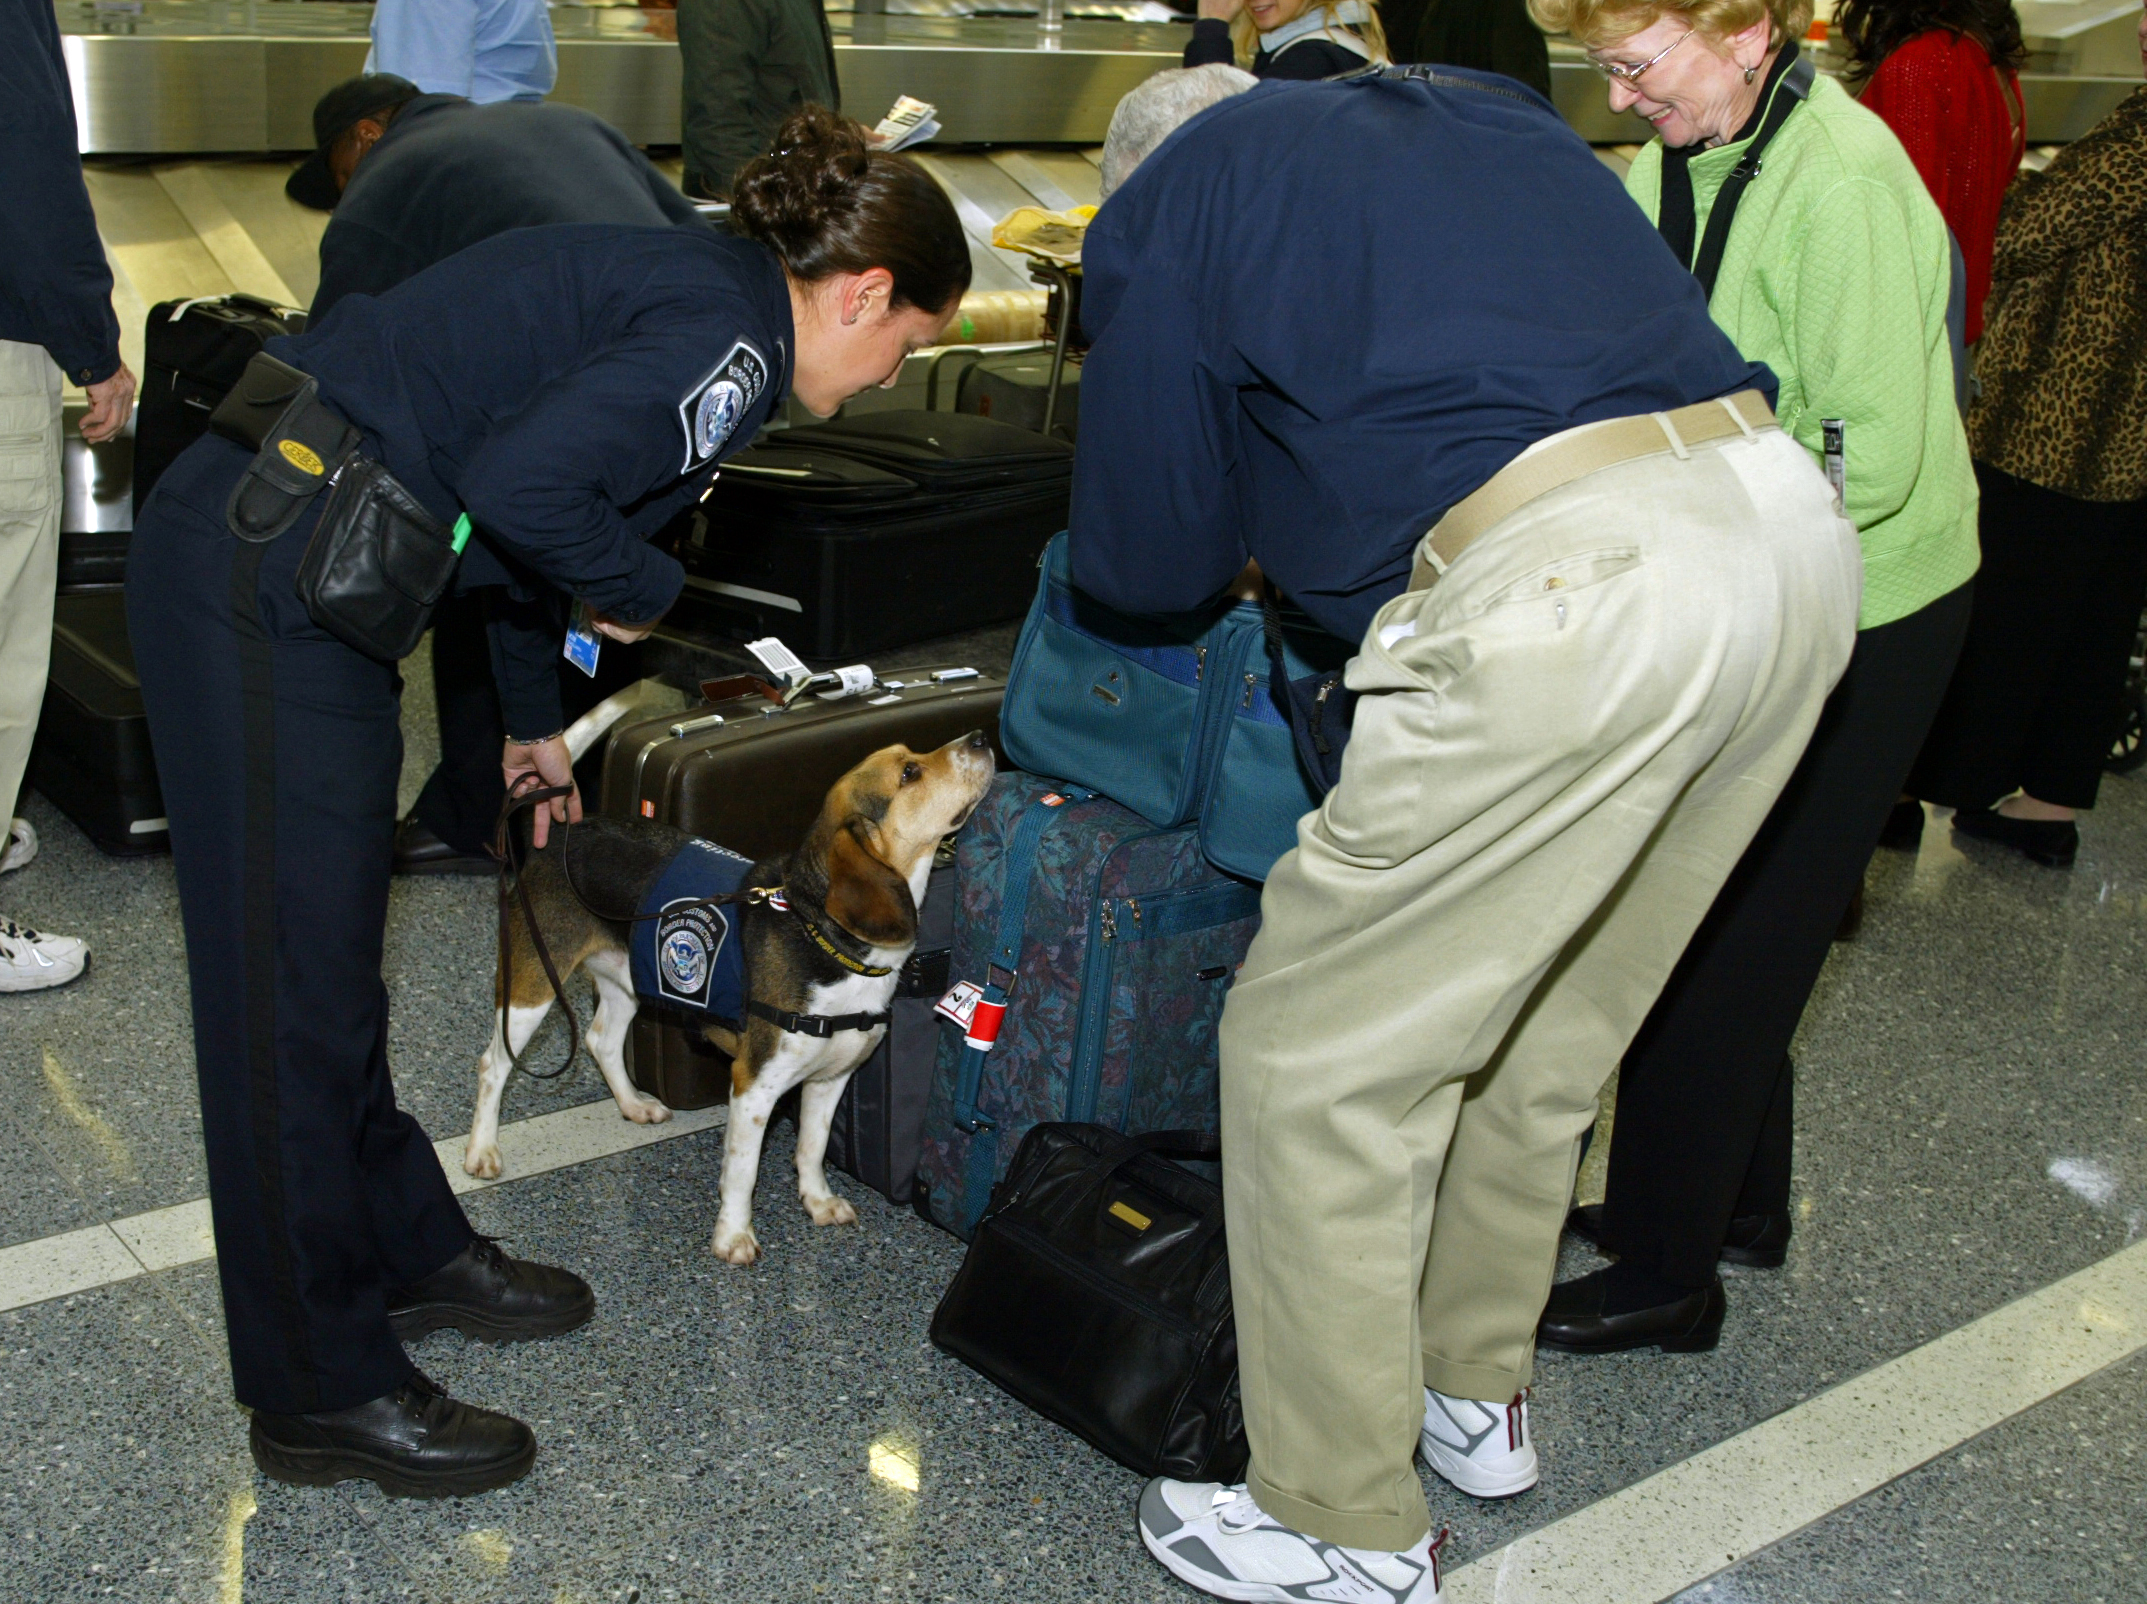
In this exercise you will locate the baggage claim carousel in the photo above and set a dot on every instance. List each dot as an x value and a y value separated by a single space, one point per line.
191 113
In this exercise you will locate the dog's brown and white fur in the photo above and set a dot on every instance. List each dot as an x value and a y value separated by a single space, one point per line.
858 876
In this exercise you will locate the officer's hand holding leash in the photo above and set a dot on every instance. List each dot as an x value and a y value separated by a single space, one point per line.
553 765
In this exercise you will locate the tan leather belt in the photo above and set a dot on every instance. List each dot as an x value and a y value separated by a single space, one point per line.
1584 451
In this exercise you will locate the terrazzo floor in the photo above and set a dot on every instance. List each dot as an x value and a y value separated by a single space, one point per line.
1972 1112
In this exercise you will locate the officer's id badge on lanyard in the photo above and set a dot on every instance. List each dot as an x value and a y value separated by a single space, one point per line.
583 642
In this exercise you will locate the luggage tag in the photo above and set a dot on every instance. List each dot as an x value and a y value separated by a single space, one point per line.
583 642
784 666
979 1020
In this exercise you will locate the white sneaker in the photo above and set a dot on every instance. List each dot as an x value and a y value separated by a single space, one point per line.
1484 1449
1217 1539
31 961
21 846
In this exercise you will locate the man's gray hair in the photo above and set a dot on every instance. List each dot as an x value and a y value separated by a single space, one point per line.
1153 112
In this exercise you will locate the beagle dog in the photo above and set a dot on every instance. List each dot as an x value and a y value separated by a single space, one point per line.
828 949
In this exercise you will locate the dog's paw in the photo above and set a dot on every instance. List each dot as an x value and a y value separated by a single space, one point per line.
482 1162
736 1247
646 1112
830 1210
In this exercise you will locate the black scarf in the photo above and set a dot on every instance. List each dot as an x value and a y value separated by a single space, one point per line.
1675 219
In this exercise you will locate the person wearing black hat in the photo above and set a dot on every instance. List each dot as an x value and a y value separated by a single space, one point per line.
412 179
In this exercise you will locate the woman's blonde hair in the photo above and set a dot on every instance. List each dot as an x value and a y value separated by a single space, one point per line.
1246 38
1597 23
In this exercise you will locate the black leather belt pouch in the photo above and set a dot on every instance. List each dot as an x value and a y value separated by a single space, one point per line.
298 446
377 565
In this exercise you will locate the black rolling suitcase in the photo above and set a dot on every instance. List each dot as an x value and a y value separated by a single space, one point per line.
879 1124
92 756
873 532
192 354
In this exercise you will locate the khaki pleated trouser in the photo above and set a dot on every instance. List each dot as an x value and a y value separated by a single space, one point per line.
1560 750
29 551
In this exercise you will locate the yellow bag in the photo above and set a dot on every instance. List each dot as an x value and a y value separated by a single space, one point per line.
1053 236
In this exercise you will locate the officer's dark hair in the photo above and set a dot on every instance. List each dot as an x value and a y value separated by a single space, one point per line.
826 202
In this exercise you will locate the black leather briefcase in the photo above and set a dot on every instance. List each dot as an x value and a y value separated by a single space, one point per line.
1097 1291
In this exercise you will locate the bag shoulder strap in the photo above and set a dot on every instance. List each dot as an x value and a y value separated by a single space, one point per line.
1794 90
1005 958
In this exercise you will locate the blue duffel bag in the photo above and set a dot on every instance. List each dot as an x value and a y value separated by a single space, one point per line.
1174 717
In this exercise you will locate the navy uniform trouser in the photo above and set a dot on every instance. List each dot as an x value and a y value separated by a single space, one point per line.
278 749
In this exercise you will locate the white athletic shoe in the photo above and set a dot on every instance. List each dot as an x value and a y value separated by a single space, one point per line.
1218 1540
1484 1449
32 961
21 846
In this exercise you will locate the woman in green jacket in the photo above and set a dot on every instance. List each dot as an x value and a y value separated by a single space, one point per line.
1825 258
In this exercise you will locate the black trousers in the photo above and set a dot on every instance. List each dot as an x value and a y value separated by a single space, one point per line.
461 799
278 749
2038 695
1703 1126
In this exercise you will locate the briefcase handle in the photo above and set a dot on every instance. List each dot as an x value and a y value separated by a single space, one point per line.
1201 1145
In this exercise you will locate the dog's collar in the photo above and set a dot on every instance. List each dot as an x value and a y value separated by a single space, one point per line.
856 966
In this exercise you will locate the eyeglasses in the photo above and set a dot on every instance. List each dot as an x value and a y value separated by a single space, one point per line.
1619 72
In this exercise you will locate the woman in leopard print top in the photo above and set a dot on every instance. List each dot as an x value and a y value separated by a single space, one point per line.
2060 438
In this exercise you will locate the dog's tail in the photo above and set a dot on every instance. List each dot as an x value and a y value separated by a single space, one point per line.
643 696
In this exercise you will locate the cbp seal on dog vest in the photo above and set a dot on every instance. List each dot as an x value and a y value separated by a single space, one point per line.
683 953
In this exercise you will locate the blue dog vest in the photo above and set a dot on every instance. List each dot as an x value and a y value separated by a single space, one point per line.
693 957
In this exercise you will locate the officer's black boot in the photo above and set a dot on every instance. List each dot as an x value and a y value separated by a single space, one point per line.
489 1297
415 1443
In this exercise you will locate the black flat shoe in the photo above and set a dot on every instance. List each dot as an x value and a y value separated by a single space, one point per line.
419 851
491 1298
1574 1322
1758 1241
2053 843
1903 830
415 1443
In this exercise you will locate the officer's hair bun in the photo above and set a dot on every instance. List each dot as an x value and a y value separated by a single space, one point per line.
826 203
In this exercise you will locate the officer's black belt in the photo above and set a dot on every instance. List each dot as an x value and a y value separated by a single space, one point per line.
378 561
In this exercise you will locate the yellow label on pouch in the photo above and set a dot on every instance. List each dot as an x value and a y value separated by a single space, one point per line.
303 458
1131 1215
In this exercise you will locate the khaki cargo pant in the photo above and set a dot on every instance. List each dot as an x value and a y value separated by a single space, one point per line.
1561 749
29 551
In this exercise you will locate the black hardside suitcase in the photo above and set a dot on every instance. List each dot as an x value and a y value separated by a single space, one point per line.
875 532
192 354
1015 387
92 757
879 1124
754 782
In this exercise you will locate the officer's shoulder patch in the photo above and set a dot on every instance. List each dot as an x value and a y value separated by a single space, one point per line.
711 411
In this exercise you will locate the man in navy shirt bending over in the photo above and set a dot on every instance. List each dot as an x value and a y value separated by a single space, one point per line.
1403 341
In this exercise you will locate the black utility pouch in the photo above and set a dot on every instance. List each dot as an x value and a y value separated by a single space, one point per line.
298 445
377 565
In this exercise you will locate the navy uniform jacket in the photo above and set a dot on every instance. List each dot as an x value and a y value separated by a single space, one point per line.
449 172
570 388
1324 313
55 288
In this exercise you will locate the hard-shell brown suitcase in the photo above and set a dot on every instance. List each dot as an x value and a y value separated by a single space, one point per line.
752 776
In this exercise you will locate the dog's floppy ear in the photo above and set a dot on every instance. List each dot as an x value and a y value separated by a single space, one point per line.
865 896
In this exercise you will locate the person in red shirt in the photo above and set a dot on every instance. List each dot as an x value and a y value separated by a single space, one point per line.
1941 75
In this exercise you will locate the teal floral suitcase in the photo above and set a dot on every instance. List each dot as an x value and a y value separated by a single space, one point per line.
1096 949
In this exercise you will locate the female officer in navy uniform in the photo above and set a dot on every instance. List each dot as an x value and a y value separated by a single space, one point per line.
570 389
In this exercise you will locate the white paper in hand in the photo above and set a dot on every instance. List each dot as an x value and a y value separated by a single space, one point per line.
911 122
